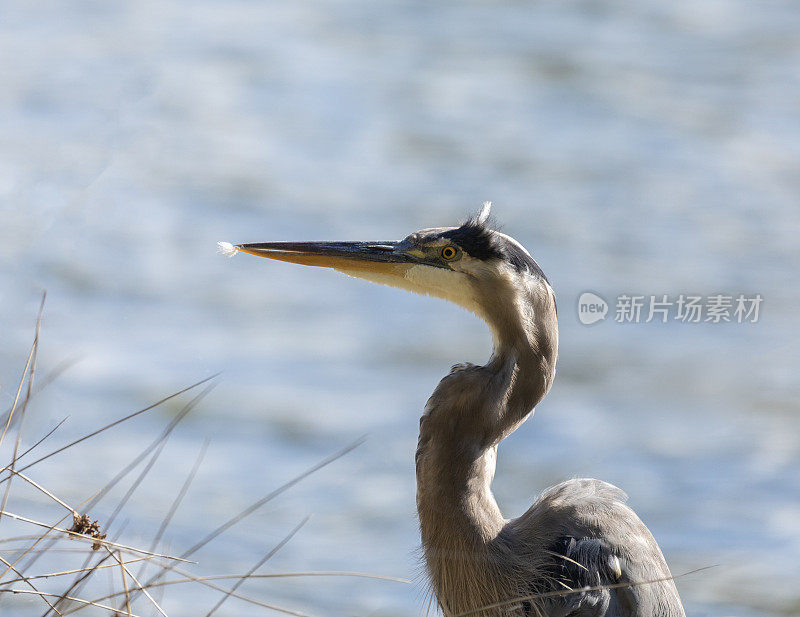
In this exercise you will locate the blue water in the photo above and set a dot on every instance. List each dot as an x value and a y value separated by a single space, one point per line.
648 148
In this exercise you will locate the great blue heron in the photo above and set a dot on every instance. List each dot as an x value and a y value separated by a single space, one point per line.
579 550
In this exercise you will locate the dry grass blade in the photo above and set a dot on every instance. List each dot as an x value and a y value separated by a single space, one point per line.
66 594
43 490
106 543
28 363
377 577
124 583
140 478
28 582
206 582
260 563
53 527
68 572
158 445
255 506
18 538
158 442
93 530
94 499
176 503
50 377
116 423
115 555
224 577
32 546
32 364
111 609
281 489
39 442
99 494
138 586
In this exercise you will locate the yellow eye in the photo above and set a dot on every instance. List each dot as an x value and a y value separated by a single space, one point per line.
449 252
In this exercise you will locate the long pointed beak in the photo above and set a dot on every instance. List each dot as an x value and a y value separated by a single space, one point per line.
384 257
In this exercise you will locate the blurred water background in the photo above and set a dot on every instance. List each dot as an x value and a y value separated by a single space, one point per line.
634 148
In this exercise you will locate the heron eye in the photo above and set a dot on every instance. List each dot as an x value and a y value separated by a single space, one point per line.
449 252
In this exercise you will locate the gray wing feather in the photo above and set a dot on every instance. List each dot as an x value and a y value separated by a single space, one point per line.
591 538
585 564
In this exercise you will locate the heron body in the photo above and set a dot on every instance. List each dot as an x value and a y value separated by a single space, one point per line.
579 550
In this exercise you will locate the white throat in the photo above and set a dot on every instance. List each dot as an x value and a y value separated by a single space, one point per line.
430 281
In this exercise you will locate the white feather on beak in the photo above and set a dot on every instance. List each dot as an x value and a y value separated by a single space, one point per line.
226 248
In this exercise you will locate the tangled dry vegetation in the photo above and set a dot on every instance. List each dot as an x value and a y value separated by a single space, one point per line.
79 545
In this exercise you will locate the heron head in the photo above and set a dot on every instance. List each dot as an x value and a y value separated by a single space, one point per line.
471 265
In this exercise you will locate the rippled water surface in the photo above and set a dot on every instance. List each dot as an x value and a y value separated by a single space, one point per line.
648 148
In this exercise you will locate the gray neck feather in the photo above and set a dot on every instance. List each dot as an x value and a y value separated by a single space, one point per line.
470 412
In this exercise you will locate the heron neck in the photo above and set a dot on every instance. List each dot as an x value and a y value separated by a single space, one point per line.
469 413
525 334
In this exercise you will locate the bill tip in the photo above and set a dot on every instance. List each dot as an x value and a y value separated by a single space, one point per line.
226 248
